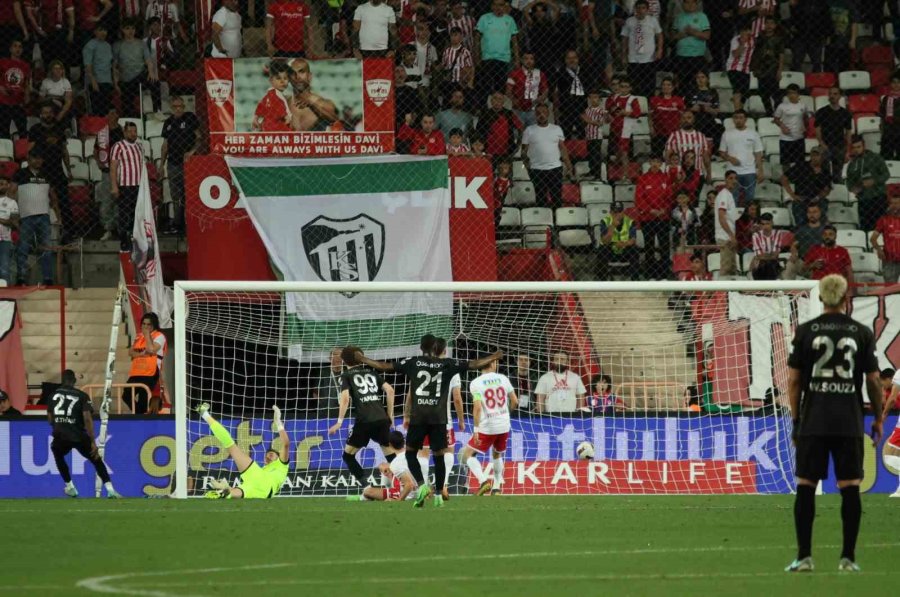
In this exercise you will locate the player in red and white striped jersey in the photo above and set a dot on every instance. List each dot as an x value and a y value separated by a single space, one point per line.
767 246
130 9
457 62
689 139
126 165
623 109
738 65
760 8
167 13
465 23
892 446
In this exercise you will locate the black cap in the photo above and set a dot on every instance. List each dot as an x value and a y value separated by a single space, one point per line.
766 217
616 207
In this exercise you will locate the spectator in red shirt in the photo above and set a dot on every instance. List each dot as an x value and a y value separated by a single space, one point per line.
526 87
15 81
685 176
698 268
498 127
273 112
288 29
53 24
502 184
828 258
746 226
426 140
624 109
653 202
12 20
888 226
665 115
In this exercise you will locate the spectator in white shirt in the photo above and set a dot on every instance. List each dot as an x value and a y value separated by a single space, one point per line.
791 116
742 148
726 218
560 389
9 219
642 48
57 89
226 31
374 30
545 156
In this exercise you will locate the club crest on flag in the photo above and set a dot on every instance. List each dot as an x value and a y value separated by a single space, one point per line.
378 90
219 90
347 250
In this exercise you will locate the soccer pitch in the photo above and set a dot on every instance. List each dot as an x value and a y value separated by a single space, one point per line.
473 546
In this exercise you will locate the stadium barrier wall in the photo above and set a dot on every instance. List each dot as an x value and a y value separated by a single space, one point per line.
634 454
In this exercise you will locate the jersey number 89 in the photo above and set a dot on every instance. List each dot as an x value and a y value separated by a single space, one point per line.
494 398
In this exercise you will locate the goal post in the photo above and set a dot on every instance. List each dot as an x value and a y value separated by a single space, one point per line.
698 374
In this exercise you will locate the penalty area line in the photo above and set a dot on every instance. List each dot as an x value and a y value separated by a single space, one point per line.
104 584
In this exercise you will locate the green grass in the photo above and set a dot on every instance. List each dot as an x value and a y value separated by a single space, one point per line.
490 546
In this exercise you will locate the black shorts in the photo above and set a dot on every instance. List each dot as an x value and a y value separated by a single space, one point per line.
740 82
436 434
846 452
63 443
380 431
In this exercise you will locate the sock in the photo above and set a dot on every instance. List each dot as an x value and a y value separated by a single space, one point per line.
100 466
109 487
448 465
423 465
415 467
355 469
851 513
475 466
219 431
440 473
498 472
804 514
390 458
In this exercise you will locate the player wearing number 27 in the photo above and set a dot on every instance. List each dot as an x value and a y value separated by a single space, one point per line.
830 358
492 398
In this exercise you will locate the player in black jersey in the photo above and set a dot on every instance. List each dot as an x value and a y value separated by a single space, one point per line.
363 386
71 415
830 357
429 376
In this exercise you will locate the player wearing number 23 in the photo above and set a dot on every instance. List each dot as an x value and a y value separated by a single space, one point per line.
832 356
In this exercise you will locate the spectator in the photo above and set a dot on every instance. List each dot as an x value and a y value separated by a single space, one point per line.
502 185
692 399
53 24
684 176
147 354
13 23
126 165
35 198
594 117
665 115
602 399
570 97
828 258
738 65
111 134
545 36
746 226
642 49
161 54
890 120
623 109
98 73
707 229
806 237
407 103
834 126
328 382
743 149
89 13
687 139
809 27
524 379
6 408
425 140
477 144
767 63
691 33
167 12
456 144
544 154
455 116
685 222
756 12
498 126
617 242
464 22
812 183
653 203
181 135
426 57
57 89
703 101
791 117
132 68
599 38
767 245
721 23
527 86
888 226
227 39
457 66
15 89
49 138
9 220
560 390
842 38
289 31
867 175
496 47
726 217
374 30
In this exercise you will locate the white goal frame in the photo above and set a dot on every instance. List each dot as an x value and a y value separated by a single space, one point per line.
184 287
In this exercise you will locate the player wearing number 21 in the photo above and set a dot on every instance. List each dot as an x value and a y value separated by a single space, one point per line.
830 358
426 407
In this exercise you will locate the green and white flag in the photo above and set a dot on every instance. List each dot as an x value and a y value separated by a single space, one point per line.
381 218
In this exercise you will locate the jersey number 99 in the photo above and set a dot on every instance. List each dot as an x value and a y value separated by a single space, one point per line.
366 384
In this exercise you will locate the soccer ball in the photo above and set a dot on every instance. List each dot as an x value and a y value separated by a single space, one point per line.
585 450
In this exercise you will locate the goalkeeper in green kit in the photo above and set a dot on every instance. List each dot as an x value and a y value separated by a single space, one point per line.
256 482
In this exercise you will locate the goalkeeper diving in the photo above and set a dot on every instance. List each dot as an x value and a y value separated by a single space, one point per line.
256 482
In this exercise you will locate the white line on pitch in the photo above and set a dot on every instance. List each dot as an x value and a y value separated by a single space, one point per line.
103 584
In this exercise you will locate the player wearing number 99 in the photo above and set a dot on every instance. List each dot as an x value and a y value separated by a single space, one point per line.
70 413
830 357
426 408
372 421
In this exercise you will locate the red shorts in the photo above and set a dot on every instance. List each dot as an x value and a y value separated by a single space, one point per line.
487 441
894 440
451 439
392 493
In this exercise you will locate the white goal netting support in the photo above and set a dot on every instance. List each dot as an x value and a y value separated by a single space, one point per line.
684 383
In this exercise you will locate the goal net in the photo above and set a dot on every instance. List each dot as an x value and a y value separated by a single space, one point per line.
678 387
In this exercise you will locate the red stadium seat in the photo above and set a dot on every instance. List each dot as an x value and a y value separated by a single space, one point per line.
7 169
681 262
880 77
818 91
877 55
615 171
577 149
571 194
20 149
811 128
80 203
825 80
863 104
90 125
